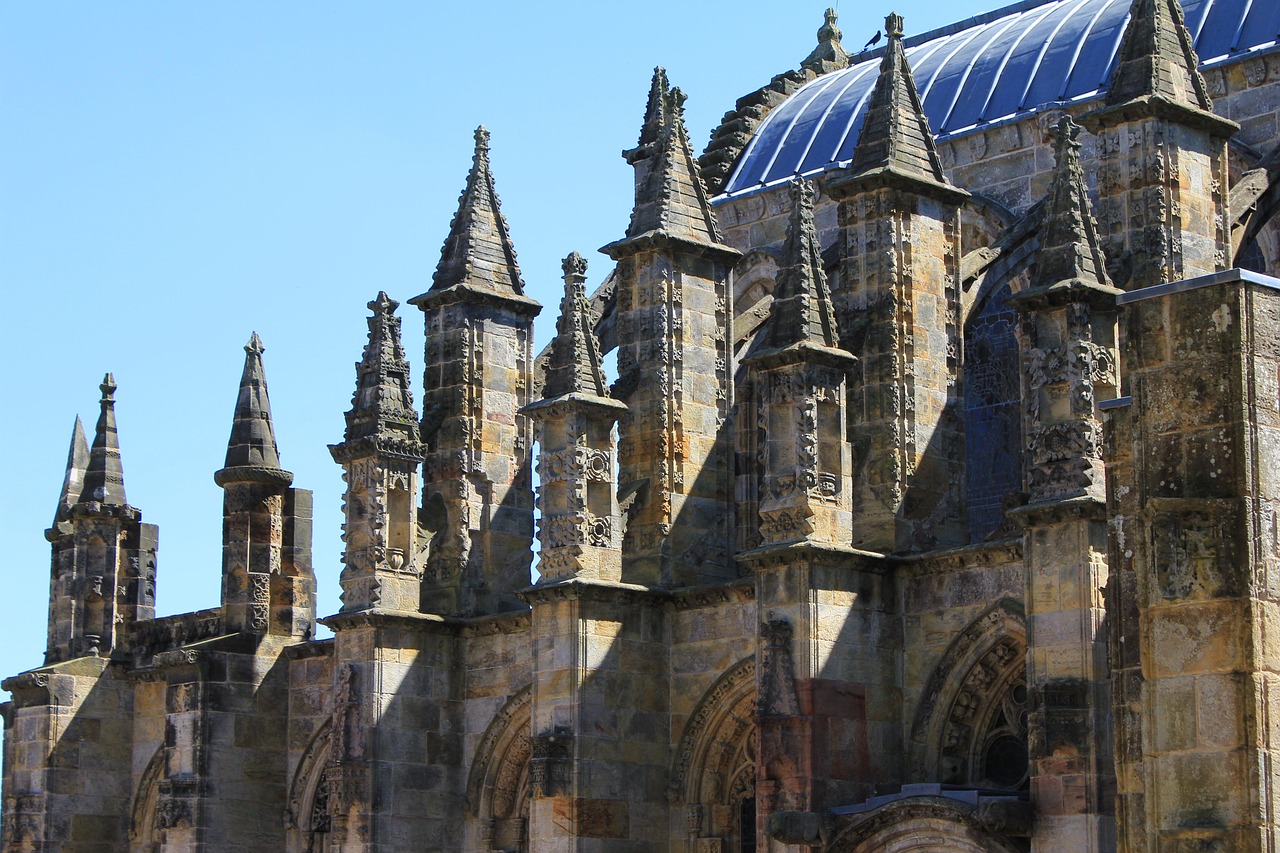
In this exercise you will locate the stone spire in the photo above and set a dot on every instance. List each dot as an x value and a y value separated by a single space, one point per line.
251 451
671 200
382 405
1070 252
1156 62
802 312
478 252
104 476
895 141
77 464
574 366
829 55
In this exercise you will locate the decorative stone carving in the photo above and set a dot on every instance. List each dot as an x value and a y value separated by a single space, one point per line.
549 763
777 688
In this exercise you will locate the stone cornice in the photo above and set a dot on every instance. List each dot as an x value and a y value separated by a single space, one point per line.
500 623
464 293
740 591
584 590
789 553
996 553
1154 106
311 649
1055 511
629 246
426 622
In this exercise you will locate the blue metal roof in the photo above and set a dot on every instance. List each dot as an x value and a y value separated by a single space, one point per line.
987 70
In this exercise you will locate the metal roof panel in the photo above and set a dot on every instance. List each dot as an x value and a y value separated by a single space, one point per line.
992 68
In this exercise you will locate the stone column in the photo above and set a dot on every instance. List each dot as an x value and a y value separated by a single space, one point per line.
898 304
1205 435
477 498
1067 340
673 362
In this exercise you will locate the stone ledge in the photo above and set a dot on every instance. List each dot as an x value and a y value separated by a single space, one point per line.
1209 280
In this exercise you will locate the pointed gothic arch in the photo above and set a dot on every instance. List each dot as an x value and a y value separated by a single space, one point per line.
714 772
307 817
498 782
143 835
970 726
919 825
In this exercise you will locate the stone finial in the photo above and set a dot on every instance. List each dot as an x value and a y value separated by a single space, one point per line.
894 25
77 465
1070 252
252 455
801 311
574 366
104 476
671 199
1157 61
655 117
478 252
829 55
895 140
382 407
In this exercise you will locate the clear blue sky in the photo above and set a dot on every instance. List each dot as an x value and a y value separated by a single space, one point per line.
176 175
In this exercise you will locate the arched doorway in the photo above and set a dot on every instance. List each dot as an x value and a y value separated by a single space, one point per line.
714 776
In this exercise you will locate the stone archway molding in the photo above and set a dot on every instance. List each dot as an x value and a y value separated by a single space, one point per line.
919 825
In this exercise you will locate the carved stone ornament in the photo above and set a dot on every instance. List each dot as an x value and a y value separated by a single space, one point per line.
777 688
549 763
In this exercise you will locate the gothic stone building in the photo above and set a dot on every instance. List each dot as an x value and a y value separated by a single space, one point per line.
933 508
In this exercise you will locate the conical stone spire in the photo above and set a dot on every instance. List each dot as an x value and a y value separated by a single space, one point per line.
671 199
104 477
895 140
574 366
251 451
1070 253
1156 60
802 312
829 55
382 406
77 465
478 252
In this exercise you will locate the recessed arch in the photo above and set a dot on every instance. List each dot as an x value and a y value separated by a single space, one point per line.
970 724
307 817
498 782
714 771
919 825
143 835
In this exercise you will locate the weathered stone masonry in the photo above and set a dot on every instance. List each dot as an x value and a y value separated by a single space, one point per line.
932 507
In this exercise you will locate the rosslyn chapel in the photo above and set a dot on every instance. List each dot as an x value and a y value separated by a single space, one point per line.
934 505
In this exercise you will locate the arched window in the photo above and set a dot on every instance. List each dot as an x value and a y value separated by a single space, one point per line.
310 821
971 727
498 783
992 413
144 837
715 770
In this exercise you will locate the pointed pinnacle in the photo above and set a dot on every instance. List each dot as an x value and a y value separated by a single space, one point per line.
252 455
104 476
671 199
802 311
1157 59
1070 252
895 140
829 55
382 405
77 465
655 117
478 252
574 366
